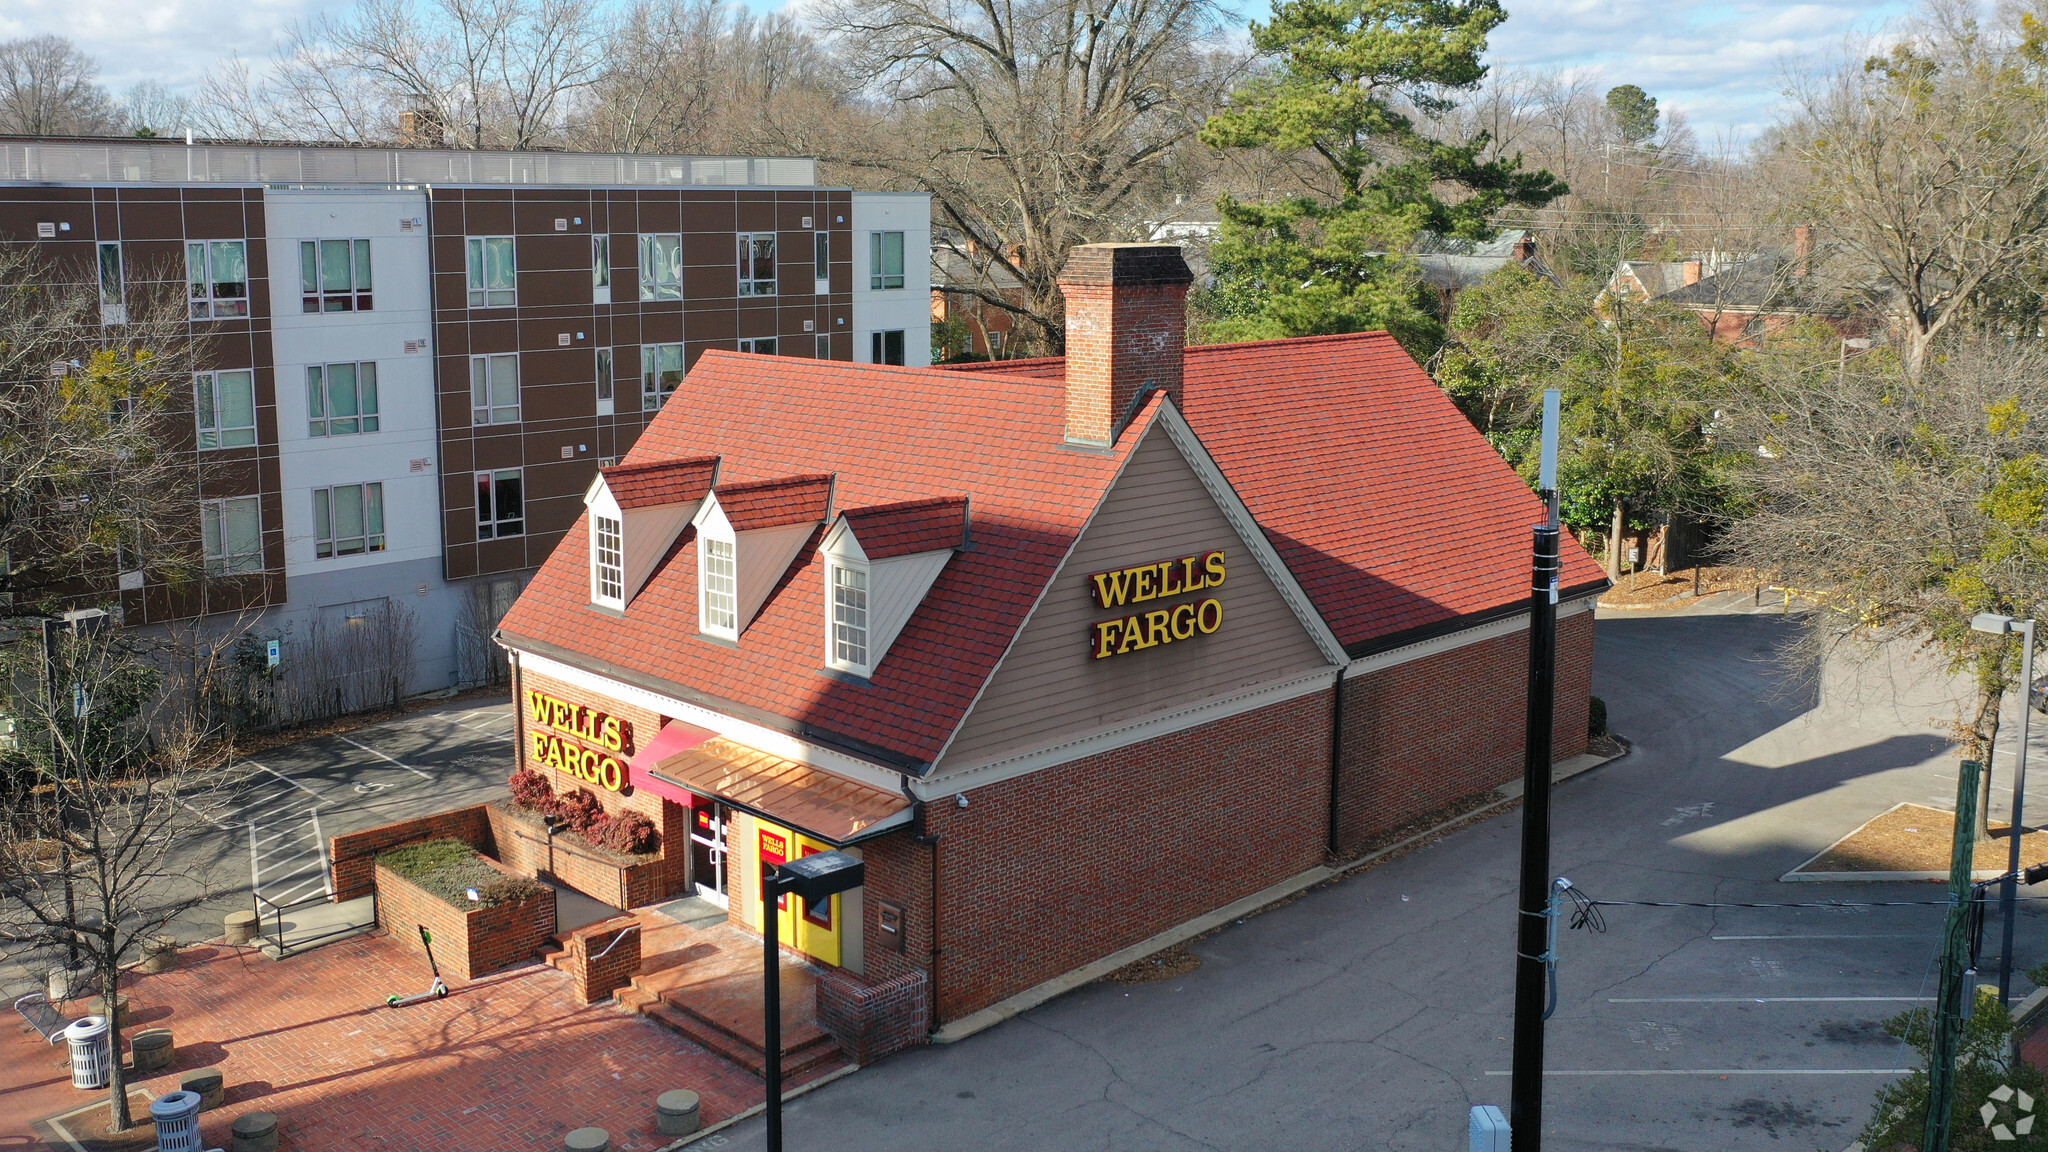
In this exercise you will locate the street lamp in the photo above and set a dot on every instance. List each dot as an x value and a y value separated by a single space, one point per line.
813 879
2008 897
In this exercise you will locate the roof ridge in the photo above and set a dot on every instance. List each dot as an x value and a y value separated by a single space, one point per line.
1296 341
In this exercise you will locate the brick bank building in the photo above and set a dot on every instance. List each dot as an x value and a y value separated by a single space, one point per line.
1069 651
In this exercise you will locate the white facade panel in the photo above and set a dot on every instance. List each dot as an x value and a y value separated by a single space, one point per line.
402 453
907 309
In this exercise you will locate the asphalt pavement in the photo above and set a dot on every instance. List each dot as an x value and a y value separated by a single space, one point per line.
1374 1012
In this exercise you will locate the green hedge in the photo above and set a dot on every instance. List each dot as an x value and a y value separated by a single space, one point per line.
449 868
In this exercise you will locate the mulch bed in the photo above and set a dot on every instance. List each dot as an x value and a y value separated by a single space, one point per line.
1178 960
88 1126
1915 838
1674 587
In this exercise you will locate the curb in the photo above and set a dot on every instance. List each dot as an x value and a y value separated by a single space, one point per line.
1506 795
757 1109
1879 877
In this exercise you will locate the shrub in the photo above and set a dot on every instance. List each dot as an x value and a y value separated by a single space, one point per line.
530 789
1596 717
628 832
448 868
578 809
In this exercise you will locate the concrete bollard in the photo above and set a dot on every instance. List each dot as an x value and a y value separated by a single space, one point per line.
120 1012
587 1140
675 1112
160 954
153 1049
240 927
208 1082
255 1132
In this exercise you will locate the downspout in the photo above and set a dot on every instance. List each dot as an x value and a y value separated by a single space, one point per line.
1336 754
921 834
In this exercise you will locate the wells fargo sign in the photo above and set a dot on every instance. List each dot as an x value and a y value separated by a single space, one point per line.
1126 587
554 718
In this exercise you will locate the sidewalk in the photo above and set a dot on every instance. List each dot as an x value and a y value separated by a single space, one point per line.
511 1061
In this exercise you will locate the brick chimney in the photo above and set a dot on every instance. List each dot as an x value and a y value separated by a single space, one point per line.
1126 327
1692 271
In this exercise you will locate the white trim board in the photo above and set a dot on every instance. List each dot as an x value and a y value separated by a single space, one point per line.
1492 629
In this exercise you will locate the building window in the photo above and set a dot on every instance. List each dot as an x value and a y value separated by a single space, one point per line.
341 399
233 532
661 267
601 264
608 561
494 389
113 284
348 520
661 369
821 254
886 347
334 275
493 274
849 617
885 260
217 274
824 346
719 580
500 504
604 381
225 405
764 346
757 263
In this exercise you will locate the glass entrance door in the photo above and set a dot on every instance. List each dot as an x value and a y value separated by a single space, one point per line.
708 849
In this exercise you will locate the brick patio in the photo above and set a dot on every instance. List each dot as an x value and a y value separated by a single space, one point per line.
510 1061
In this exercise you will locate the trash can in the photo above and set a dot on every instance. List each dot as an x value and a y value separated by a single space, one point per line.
177 1121
87 1036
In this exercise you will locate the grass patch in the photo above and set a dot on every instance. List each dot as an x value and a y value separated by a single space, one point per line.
448 868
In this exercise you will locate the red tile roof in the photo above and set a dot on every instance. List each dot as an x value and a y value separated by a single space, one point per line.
654 482
890 434
908 526
774 503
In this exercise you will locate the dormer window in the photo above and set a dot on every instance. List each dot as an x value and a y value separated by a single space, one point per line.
849 617
608 562
718 586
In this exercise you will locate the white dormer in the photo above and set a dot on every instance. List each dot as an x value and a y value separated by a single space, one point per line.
718 604
636 513
871 590
748 535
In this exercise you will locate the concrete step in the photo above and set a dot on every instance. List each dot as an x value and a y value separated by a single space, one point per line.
801 1054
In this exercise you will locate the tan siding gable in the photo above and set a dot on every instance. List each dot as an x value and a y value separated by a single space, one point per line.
1050 687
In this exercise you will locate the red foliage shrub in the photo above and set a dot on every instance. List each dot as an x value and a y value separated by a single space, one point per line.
579 809
530 789
627 832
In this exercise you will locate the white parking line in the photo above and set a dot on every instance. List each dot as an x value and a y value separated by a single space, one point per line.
1844 936
1768 999
393 759
1717 1072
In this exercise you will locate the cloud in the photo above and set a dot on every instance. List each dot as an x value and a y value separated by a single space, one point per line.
170 41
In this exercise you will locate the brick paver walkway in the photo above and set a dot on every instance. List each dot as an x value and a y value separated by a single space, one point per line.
507 1062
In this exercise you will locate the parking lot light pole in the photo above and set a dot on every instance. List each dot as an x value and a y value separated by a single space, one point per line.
813 879
2008 894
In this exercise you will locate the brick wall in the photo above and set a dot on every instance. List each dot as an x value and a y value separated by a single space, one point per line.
872 1020
467 944
1049 871
602 957
1430 732
522 845
352 857
672 821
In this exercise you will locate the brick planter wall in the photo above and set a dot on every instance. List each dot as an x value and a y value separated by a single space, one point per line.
353 857
522 845
602 957
873 1020
467 944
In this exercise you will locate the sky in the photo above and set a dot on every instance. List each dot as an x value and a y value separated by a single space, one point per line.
1719 61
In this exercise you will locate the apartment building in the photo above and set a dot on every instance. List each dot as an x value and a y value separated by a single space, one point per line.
418 359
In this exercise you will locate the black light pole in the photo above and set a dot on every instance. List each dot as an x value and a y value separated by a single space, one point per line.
1532 936
812 879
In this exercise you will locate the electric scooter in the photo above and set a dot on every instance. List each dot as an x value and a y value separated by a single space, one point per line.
439 988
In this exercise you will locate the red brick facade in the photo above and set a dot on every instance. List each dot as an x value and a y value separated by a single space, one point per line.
872 1020
602 957
352 858
1421 735
466 944
1126 327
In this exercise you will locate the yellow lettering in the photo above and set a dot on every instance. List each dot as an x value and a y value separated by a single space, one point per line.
614 734
1167 570
1106 637
540 745
1213 562
1209 614
1133 636
1143 588
1156 628
611 773
1183 621
537 706
1112 588
1192 579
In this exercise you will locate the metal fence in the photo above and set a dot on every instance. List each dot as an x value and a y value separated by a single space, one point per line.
170 162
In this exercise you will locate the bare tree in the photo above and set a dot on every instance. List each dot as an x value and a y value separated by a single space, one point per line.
107 780
1929 165
95 397
49 88
1911 502
150 109
1035 126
